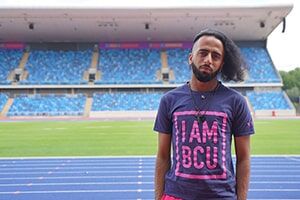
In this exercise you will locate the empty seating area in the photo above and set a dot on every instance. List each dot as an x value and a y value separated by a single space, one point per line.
121 66
9 60
261 69
57 67
268 100
48 105
178 62
129 66
126 101
73 105
3 100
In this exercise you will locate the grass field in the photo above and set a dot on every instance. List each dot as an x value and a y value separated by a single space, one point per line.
105 138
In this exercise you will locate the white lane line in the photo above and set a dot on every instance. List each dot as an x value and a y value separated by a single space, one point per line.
137 167
129 176
121 191
76 172
275 182
77 183
16 165
272 164
120 160
275 170
77 191
275 175
294 159
35 166
124 183
118 171
77 168
73 177
274 190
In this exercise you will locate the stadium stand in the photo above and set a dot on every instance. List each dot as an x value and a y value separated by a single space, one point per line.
268 100
48 105
261 68
119 67
122 66
126 101
57 67
129 66
10 59
178 62
127 63
3 100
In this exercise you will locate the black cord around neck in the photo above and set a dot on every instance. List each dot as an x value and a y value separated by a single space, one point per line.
201 117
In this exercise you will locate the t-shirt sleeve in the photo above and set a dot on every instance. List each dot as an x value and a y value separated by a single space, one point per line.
243 122
163 121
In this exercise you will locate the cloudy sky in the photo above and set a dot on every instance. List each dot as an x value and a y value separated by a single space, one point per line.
283 47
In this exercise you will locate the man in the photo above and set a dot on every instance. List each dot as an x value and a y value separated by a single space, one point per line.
198 121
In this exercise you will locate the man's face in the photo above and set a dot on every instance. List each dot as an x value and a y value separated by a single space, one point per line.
207 58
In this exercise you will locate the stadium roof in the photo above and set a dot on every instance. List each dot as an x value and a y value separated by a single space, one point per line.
132 22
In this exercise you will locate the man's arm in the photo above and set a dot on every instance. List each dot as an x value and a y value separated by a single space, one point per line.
242 149
163 163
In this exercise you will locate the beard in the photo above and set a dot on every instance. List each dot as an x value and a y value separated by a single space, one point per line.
203 77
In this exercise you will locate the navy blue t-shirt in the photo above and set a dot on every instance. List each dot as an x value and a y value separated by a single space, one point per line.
202 166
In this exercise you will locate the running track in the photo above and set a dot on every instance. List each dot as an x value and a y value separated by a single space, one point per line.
111 178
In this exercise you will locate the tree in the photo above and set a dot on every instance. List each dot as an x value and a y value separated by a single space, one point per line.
291 84
291 79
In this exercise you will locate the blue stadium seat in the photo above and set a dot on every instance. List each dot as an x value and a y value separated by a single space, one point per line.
268 100
261 69
126 101
57 67
3 100
48 105
178 62
129 66
122 66
10 60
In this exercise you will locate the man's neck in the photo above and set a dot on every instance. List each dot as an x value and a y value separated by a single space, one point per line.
199 86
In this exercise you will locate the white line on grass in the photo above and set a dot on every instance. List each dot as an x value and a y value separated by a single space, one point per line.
96 127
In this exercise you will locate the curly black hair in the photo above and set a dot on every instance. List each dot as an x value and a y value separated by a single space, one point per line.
234 63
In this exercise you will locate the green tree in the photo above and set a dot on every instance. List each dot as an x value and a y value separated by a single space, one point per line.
291 85
291 79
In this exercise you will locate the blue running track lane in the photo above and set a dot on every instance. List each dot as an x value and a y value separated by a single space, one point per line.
124 178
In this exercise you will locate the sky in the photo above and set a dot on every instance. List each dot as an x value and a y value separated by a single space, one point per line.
283 47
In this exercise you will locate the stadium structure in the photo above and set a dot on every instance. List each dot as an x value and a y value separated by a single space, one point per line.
108 61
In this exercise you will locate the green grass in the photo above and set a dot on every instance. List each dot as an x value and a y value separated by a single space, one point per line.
99 138
276 137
